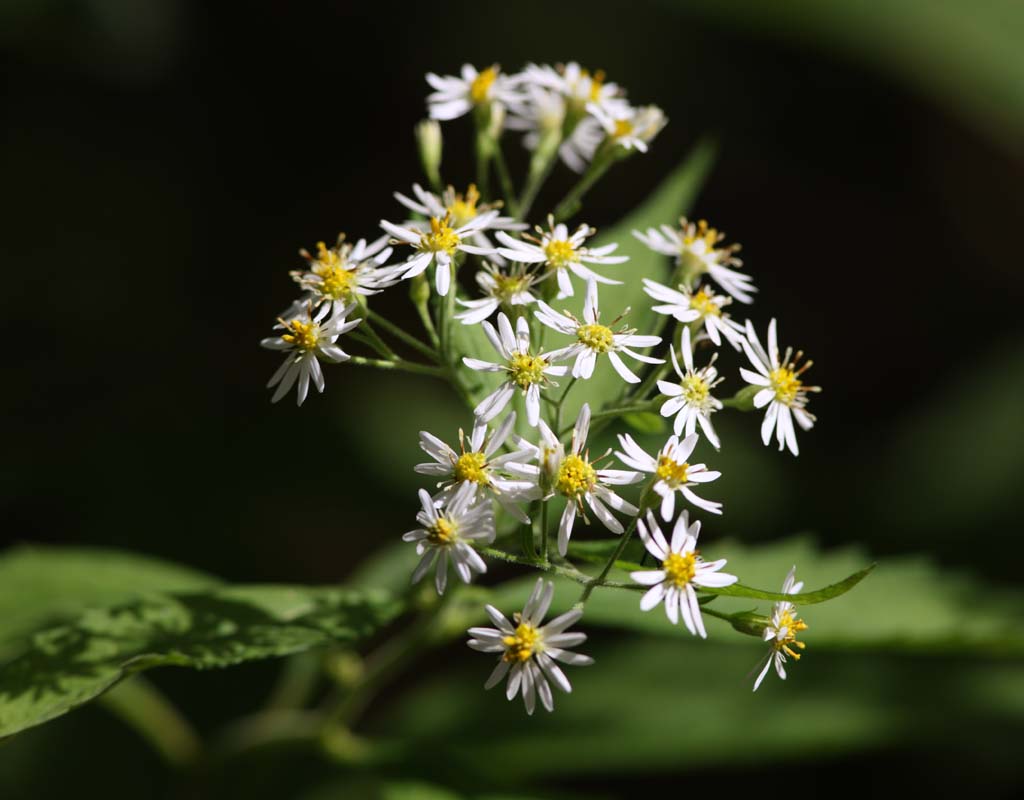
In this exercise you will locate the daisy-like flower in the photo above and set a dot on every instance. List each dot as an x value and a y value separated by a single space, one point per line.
476 467
631 128
529 649
784 392
501 287
336 275
438 245
682 568
446 534
579 87
527 372
672 472
782 631
561 253
455 96
463 208
306 338
594 339
690 399
697 250
576 478
705 304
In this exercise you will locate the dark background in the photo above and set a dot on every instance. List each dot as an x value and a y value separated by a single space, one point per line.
163 162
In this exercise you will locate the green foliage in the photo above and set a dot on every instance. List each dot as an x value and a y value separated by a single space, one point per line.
68 664
646 422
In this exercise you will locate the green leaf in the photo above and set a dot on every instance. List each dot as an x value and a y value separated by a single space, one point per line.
43 584
645 422
71 663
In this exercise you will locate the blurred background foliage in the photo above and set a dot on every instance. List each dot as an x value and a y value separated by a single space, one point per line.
165 160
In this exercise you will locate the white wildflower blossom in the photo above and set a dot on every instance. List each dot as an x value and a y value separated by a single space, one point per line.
338 274
501 287
682 568
446 534
705 304
306 338
561 253
631 128
690 400
528 650
782 631
455 96
579 87
594 339
438 245
671 470
527 372
576 478
697 249
784 392
479 466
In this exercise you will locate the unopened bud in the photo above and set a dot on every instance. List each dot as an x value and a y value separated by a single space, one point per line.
430 144
419 290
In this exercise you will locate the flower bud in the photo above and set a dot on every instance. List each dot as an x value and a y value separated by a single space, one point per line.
430 144
419 290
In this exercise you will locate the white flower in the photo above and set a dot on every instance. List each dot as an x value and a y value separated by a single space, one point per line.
438 244
696 249
463 208
559 253
579 87
307 338
594 339
529 650
455 96
527 372
575 477
690 399
477 468
338 274
682 568
630 128
446 534
704 304
511 287
782 631
671 470
784 392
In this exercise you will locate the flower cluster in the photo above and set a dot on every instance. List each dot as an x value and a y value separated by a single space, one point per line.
503 482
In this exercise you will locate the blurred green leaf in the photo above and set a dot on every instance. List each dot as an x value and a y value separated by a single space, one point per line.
42 585
645 422
71 663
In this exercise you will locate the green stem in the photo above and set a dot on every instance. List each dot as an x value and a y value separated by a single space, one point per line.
403 336
607 415
571 202
398 364
543 161
599 580
507 188
296 683
561 401
362 338
428 324
376 342
544 531
141 706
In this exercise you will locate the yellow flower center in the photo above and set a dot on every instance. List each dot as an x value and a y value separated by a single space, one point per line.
303 335
623 127
793 625
441 532
441 236
575 476
704 303
786 385
527 370
481 84
703 233
522 644
463 207
596 337
560 252
471 467
596 84
338 282
695 390
325 258
507 286
672 472
680 567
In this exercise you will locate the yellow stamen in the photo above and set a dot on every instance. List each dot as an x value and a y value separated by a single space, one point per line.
596 337
575 476
596 84
695 390
672 472
526 370
303 335
623 127
560 252
786 385
703 302
441 532
702 232
793 626
471 467
463 208
680 567
507 286
441 236
521 645
338 282
482 83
